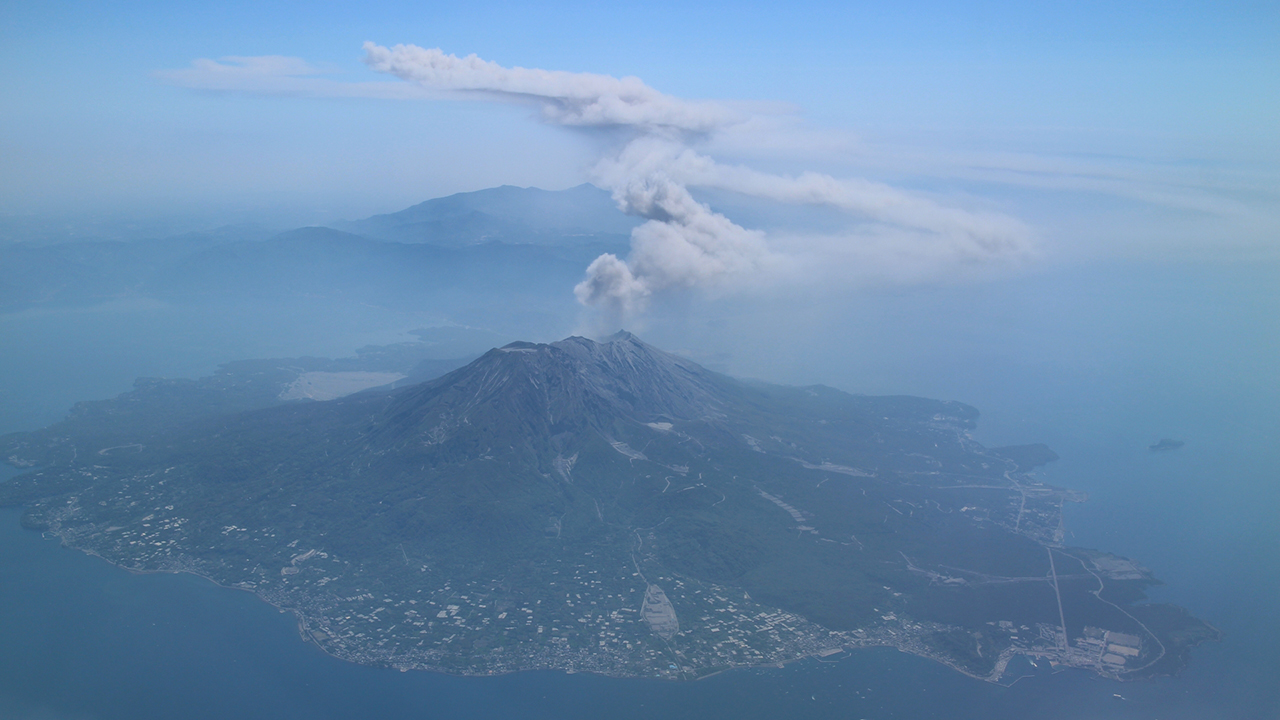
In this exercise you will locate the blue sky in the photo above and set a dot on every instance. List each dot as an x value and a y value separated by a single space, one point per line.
1133 110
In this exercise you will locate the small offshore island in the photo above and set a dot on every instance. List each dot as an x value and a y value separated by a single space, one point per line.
593 506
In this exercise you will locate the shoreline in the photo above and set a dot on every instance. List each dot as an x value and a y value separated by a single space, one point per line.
907 639
306 636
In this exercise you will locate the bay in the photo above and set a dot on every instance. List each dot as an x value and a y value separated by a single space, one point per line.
85 639
82 639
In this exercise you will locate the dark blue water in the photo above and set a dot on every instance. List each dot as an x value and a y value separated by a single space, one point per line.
82 639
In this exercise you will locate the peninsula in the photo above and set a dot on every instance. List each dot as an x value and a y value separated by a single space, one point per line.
595 506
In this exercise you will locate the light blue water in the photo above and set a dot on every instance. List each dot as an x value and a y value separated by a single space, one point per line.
53 358
1180 357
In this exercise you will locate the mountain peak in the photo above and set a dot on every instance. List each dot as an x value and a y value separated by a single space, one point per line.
568 385
508 213
627 500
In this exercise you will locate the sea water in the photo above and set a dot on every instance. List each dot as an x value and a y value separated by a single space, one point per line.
82 639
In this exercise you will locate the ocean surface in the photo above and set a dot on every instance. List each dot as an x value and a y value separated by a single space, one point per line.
1191 357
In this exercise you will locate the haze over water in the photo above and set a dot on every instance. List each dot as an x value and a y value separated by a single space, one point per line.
1066 215
1168 358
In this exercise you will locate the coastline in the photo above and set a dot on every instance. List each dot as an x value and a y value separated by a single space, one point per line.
305 634
555 651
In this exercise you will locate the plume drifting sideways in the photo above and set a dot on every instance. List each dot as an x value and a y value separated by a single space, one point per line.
684 244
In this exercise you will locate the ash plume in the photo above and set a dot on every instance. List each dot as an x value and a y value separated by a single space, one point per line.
566 98
684 244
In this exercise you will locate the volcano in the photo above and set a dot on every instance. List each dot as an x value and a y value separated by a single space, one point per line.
607 506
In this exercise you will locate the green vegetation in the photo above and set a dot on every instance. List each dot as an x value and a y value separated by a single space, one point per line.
515 513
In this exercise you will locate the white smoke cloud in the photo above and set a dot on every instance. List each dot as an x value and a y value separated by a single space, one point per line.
565 98
685 244
281 75
975 233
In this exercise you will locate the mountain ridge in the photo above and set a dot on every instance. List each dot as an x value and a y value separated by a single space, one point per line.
450 242
579 214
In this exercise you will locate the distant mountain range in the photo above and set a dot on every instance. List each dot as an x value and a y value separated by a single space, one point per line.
508 214
601 506
516 244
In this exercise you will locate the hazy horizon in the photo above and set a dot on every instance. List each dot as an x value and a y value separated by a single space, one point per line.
1067 217
1152 121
